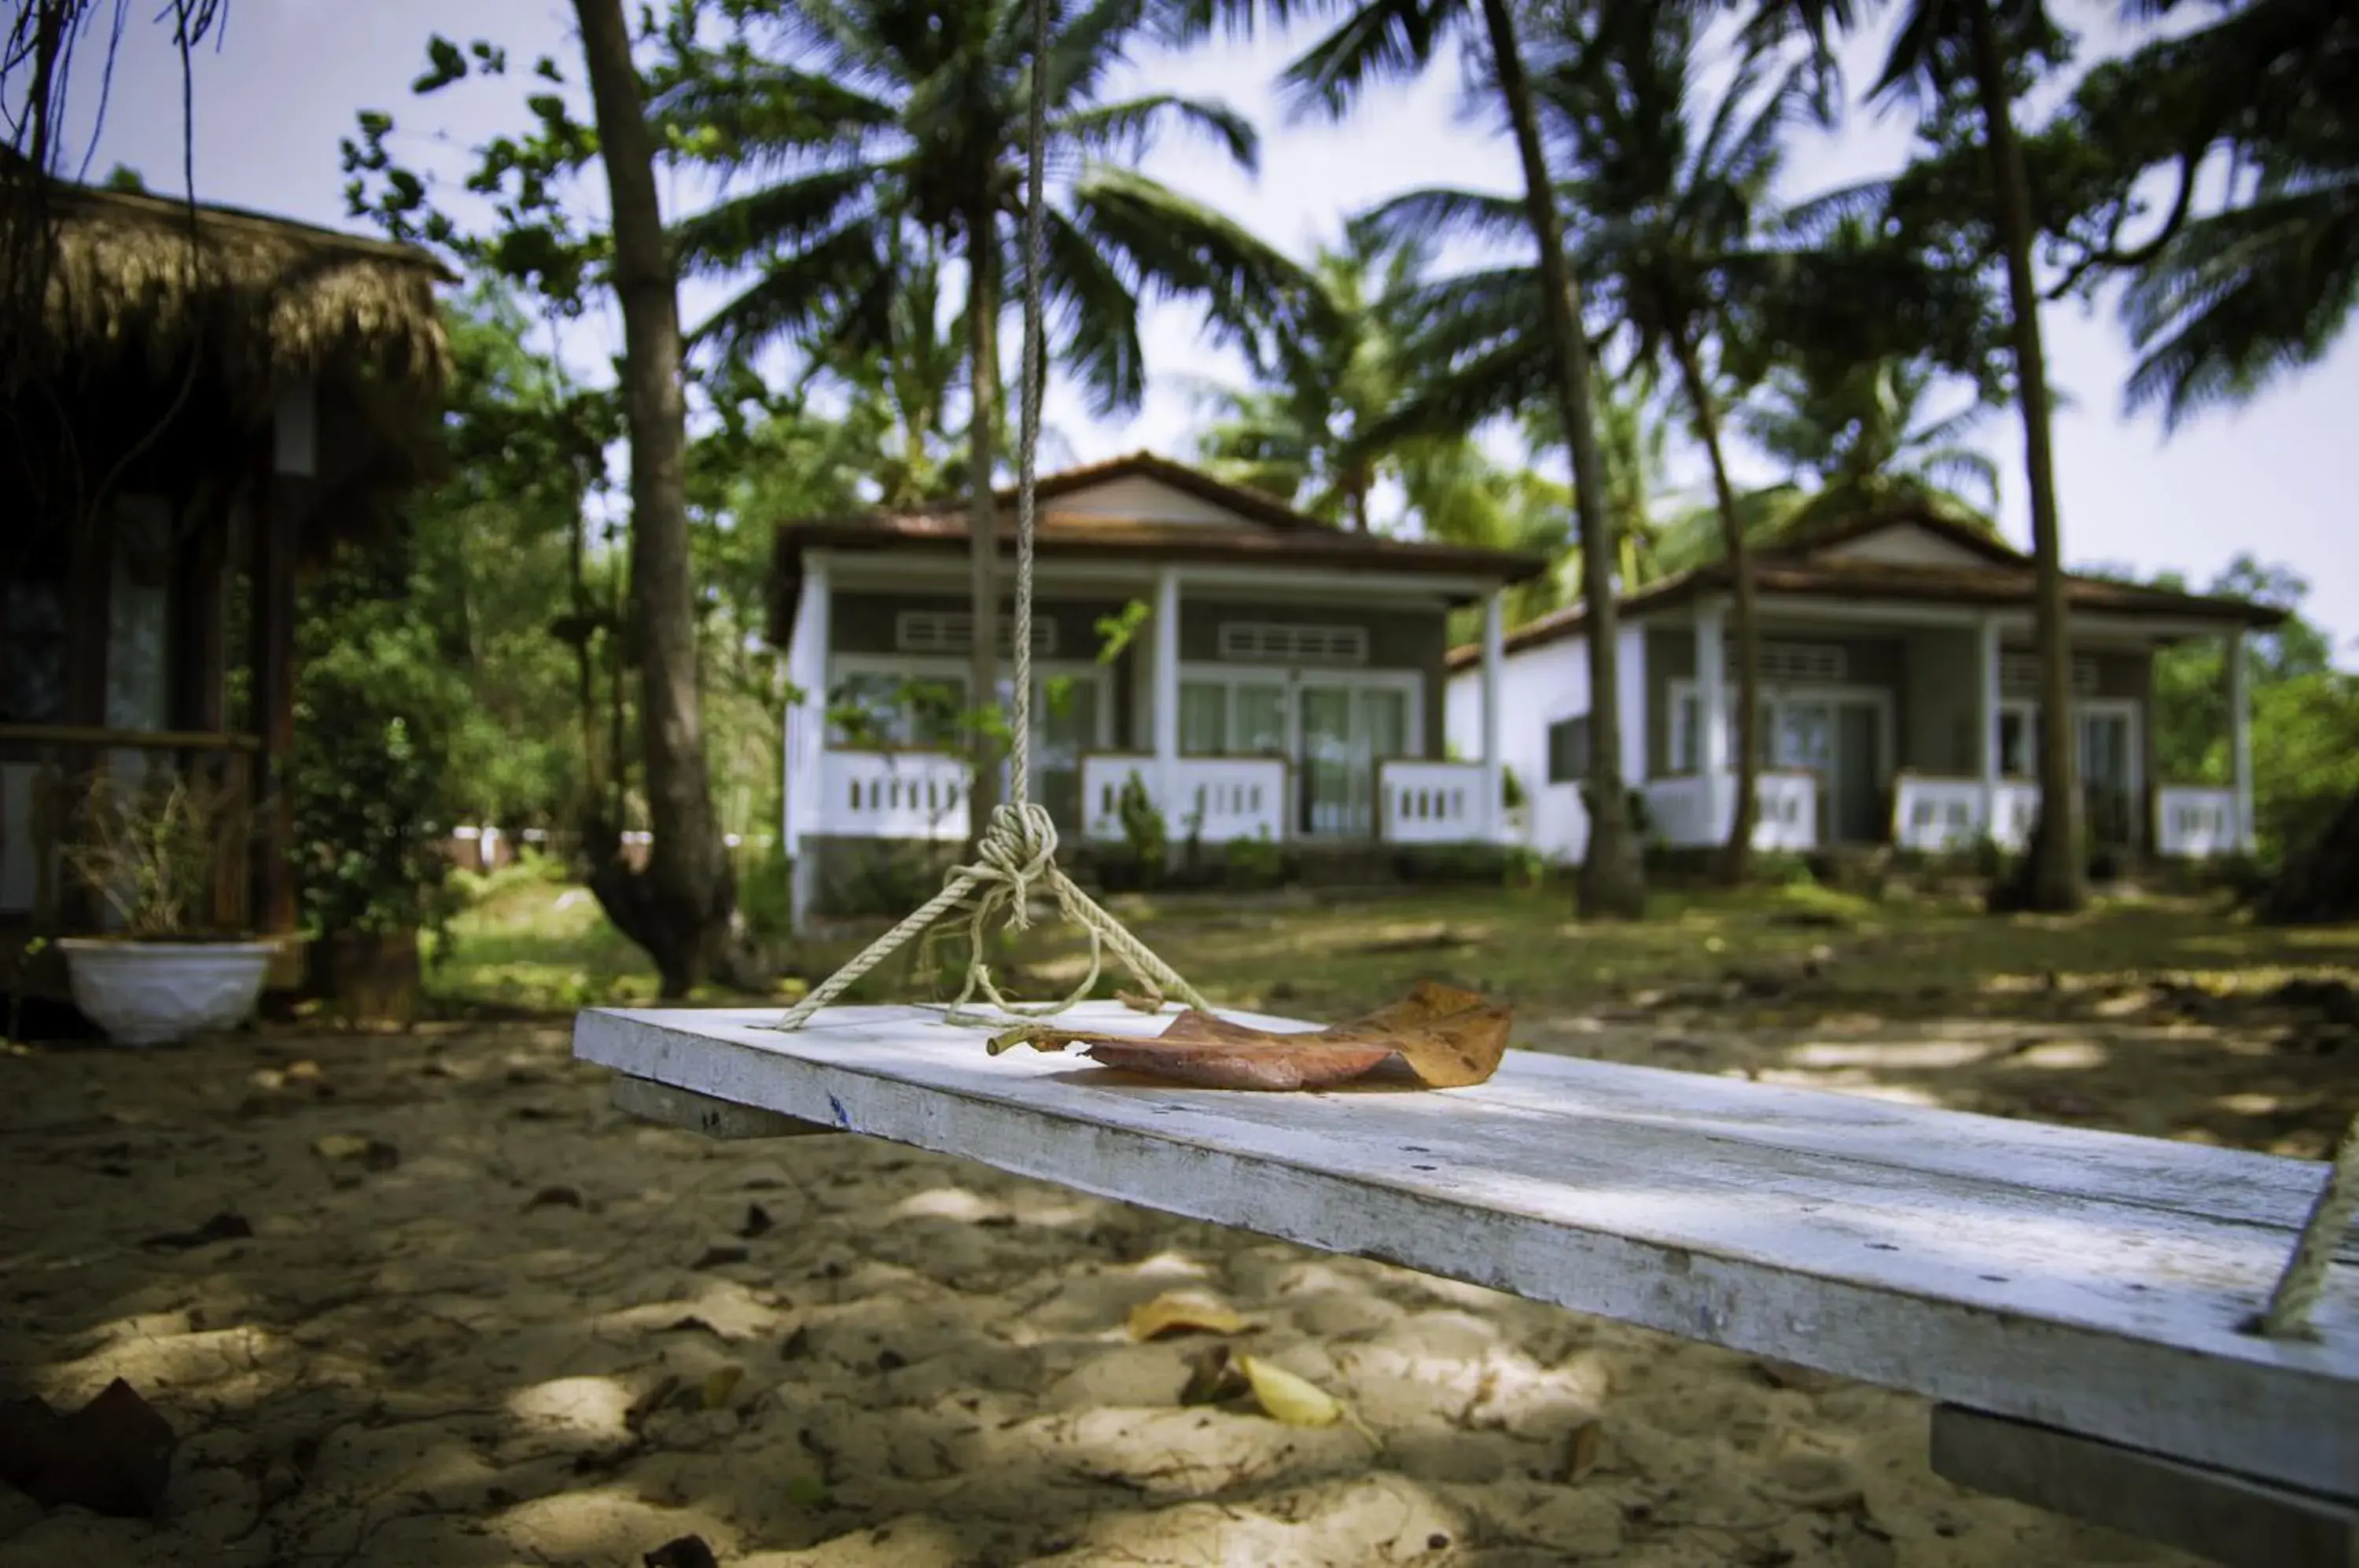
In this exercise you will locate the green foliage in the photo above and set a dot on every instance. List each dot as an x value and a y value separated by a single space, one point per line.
1252 863
1144 830
369 779
2304 713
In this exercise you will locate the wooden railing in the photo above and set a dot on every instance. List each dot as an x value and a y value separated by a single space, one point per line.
45 773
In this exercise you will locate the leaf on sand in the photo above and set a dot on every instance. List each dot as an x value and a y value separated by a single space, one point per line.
1178 1312
719 1384
1444 1037
1298 1401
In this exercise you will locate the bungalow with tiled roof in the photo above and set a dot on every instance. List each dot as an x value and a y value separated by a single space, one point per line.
1286 684
1899 701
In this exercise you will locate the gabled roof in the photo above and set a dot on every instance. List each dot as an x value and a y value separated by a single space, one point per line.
1258 530
1810 568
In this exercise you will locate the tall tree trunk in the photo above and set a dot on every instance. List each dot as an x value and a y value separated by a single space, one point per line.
2054 878
1736 855
682 908
1612 882
982 548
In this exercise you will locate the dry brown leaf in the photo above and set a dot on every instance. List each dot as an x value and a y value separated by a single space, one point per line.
1445 1037
1180 1312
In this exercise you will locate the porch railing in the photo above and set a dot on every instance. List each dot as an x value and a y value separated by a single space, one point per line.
1214 800
894 794
2196 821
1680 814
1939 816
46 772
1433 802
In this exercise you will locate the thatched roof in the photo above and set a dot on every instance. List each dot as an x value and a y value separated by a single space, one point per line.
269 300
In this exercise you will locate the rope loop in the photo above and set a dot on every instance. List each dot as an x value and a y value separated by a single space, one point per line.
1017 852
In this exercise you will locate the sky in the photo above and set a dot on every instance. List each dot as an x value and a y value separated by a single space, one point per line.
2278 478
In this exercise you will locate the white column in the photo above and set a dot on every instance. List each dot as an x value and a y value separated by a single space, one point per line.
1711 718
1494 824
2240 741
1166 708
805 733
1986 717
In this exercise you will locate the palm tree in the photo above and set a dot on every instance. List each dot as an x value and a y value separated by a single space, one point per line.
1374 42
1856 433
1964 62
1665 205
2224 305
869 120
1660 215
1308 434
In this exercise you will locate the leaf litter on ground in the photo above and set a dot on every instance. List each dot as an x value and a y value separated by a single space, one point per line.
1443 1037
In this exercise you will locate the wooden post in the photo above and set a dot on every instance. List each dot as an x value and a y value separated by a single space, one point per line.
1166 711
1711 719
806 760
270 612
1494 823
2240 741
1986 718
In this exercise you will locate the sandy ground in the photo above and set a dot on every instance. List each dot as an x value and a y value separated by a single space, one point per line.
483 1319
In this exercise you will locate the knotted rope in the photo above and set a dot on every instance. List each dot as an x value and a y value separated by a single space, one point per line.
1015 855
2304 1280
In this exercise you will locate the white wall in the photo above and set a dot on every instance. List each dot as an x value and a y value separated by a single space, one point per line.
1542 685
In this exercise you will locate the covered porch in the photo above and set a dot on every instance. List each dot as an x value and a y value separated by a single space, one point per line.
1917 727
1273 704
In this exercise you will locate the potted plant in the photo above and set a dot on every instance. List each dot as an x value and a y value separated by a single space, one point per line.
151 853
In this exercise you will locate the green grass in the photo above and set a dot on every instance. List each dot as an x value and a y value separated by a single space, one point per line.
529 944
527 941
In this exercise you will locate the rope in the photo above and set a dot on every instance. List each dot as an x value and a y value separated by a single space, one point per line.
2304 1280
1016 852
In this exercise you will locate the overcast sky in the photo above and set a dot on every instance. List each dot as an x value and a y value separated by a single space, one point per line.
2277 479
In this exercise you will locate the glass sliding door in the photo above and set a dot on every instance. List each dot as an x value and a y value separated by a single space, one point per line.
1346 730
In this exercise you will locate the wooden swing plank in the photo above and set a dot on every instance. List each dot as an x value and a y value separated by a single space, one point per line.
2085 1281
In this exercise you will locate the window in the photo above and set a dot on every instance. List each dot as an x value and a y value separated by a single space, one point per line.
1232 718
1269 642
1568 750
879 709
952 631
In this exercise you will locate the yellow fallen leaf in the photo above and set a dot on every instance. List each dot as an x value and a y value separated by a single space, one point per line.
1582 1449
1181 1312
1298 1401
719 1384
340 1145
302 1072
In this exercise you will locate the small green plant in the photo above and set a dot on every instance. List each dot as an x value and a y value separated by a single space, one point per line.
1511 789
1253 862
1143 828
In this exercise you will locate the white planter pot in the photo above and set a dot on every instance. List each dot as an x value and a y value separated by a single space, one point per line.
154 993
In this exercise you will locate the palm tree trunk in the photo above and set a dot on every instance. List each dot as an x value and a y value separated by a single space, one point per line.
1612 882
1736 855
983 548
1357 496
682 908
2054 880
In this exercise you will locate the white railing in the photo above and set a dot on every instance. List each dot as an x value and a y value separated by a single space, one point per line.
2195 820
1214 799
1789 816
1679 812
1433 802
1682 813
1936 816
1940 816
893 794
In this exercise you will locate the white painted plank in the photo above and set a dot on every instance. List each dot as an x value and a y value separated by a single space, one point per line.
2081 1280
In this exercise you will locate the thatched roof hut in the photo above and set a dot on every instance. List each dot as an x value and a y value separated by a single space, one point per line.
263 302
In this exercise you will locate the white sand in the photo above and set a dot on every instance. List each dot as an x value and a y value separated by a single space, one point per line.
501 1350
